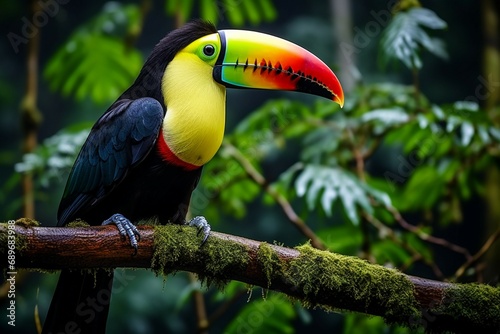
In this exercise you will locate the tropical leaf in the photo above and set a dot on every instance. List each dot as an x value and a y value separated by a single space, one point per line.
495 133
385 118
405 37
360 323
271 315
321 144
236 11
267 9
55 156
208 10
95 62
422 190
386 251
327 185
344 239
443 150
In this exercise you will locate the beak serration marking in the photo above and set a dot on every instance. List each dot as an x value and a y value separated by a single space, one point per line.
278 68
263 66
267 66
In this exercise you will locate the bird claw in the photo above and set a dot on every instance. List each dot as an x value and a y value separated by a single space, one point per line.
125 228
202 225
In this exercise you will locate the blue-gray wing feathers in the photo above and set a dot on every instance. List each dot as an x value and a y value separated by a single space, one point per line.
120 139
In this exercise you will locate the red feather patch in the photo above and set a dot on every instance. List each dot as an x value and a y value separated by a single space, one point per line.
169 156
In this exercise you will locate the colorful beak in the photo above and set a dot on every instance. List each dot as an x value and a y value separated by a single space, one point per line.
254 60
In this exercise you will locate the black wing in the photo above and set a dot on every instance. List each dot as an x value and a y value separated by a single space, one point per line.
119 140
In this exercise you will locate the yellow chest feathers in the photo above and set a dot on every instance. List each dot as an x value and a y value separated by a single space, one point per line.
193 127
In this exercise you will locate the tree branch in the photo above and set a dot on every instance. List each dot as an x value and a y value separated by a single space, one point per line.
487 245
425 236
317 278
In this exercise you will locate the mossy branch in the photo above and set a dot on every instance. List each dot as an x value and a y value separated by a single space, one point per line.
317 278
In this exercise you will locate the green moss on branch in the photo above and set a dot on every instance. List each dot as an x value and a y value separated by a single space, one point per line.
179 247
466 307
353 283
269 262
20 242
317 278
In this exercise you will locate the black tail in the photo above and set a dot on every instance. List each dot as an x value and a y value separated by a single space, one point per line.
80 303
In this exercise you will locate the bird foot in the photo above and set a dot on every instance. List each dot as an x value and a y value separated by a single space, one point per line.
202 225
126 228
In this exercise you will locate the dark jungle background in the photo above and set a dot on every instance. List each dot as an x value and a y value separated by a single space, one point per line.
405 175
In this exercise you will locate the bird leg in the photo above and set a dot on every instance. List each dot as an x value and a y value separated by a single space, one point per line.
202 225
126 228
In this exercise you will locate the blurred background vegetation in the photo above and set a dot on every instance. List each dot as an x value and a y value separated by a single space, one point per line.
405 175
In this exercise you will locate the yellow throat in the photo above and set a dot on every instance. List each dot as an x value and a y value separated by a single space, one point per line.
193 127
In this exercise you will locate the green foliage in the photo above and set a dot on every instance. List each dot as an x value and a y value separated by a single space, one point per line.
387 252
424 139
384 119
96 62
440 130
49 164
359 323
237 11
405 37
268 127
418 245
231 289
344 239
271 315
326 185
444 153
55 156
225 184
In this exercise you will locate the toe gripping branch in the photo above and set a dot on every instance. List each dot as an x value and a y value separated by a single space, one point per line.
202 225
126 228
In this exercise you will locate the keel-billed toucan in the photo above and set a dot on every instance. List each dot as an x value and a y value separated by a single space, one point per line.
144 156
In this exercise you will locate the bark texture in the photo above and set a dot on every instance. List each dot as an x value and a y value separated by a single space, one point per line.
316 277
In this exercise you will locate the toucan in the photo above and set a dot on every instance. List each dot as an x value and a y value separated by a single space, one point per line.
144 156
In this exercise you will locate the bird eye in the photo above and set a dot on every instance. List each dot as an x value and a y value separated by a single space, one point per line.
208 50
